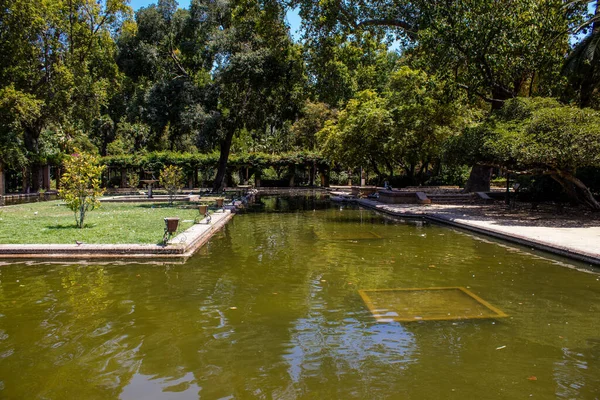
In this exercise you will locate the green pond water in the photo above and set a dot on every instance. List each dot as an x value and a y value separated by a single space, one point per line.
270 308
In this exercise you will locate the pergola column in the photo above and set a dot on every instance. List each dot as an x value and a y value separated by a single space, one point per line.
123 178
46 177
325 177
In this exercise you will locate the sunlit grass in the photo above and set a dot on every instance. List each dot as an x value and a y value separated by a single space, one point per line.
53 222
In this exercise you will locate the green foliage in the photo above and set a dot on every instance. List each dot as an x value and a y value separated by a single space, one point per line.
542 133
58 60
313 120
171 178
342 66
538 135
156 161
17 111
406 127
581 66
494 50
133 180
361 133
80 185
449 174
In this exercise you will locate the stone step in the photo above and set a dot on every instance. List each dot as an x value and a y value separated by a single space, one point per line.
467 198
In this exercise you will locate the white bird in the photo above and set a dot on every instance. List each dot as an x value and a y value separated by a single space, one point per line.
35 213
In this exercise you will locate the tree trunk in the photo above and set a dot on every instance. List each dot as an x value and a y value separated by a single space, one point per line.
576 189
587 87
81 216
2 187
25 173
324 176
479 179
31 141
223 157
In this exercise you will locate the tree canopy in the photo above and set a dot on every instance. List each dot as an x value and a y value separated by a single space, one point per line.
223 77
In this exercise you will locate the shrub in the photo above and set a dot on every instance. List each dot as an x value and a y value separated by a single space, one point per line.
133 180
80 185
171 178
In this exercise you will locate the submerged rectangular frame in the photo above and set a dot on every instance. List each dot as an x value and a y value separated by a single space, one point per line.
376 311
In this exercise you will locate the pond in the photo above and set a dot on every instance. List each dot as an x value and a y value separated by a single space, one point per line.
270 308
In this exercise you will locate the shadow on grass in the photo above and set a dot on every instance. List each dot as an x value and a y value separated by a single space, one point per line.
174 205
69 226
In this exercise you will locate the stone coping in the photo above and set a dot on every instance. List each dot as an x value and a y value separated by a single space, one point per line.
160 198
547 239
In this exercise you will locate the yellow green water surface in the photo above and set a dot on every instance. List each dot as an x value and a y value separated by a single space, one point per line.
270 309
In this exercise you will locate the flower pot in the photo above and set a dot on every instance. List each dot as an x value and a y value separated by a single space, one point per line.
171 224
220 202
203 209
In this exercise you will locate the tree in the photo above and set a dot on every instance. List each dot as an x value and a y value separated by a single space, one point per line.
59 54
339 66
169 83
406 126
493 50
312 121
425 113
258 74
361 134
80 184
543 136
582 66
171 178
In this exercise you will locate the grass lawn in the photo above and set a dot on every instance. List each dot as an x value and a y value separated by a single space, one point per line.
111 223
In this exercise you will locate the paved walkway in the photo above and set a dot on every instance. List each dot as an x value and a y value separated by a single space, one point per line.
573 239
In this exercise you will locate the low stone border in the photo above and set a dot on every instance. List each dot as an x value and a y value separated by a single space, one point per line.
564 251
145 199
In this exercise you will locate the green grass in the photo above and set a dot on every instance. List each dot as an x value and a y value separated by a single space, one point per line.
110 224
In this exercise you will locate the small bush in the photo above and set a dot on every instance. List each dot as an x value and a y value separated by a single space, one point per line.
80 185
171 178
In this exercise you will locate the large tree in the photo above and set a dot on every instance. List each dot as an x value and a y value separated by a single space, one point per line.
59 55
404 127
582 65
493 50
258 73
537 135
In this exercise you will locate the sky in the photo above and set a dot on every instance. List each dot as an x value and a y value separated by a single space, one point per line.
292 16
